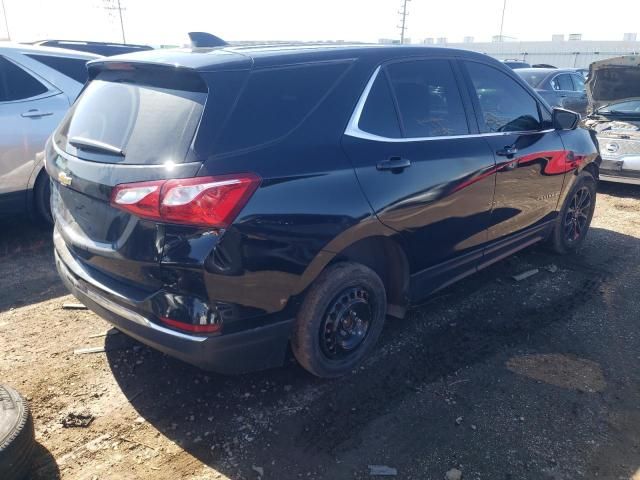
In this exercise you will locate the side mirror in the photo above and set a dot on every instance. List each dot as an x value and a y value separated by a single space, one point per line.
564 119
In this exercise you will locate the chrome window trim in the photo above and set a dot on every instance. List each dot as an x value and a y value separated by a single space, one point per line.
353 129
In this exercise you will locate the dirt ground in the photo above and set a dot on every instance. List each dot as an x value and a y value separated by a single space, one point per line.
537 379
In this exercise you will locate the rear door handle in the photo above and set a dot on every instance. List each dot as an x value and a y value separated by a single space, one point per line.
35 114
507 152
395 164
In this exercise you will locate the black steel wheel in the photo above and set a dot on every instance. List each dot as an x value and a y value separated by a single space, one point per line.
340 319
346 323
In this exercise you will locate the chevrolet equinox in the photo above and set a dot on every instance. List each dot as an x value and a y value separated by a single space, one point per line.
221 205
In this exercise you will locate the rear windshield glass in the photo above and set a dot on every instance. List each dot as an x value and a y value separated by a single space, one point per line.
276 101
75 68
148 125
532 78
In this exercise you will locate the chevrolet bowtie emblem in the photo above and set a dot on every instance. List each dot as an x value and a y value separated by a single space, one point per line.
64 178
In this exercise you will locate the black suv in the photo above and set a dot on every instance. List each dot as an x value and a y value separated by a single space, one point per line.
222 204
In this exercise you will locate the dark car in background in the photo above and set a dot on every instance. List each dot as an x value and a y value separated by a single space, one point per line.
222 204
563 88
106 49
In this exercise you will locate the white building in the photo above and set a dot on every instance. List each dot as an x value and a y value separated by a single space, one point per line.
558 52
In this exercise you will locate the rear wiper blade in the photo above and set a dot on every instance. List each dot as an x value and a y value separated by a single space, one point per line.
89 144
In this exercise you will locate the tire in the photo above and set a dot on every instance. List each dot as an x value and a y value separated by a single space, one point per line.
567 238
340 320
16 435
42 198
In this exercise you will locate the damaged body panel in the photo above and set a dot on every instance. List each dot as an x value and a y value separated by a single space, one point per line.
613 90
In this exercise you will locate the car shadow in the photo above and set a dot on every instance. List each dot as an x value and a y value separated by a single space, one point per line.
27 270
287 416
622 190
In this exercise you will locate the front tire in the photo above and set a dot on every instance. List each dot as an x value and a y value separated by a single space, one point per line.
340 320
573 221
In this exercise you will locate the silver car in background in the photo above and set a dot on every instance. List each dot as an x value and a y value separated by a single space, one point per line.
37 87
614 115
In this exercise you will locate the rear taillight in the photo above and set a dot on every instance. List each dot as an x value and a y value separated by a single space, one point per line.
202 201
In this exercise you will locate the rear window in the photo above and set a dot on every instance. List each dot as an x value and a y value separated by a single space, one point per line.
276 101
149 125
75 68
533 78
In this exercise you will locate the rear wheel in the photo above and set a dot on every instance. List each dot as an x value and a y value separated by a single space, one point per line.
340 320
574 219
42 197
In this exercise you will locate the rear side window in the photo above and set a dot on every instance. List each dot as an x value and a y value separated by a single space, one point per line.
150 125
75 68
379 115
428 98
562 82
16 83
276 101
505 106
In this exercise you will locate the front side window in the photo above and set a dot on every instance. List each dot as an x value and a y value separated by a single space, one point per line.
17 84
505 106
428 98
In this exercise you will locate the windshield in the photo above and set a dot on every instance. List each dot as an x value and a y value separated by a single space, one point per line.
533 78
631 107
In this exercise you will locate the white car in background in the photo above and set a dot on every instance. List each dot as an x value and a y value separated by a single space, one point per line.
37 87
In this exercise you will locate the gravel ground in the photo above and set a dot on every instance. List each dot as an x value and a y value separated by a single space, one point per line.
499 379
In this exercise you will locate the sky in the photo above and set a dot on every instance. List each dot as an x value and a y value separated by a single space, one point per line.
166 22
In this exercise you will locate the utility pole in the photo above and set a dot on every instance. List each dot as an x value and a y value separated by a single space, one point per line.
110 6
404 14
504 7
6 21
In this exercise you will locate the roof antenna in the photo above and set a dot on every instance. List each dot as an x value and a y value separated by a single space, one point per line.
204 39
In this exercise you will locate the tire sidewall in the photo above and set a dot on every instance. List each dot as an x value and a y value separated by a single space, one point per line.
306 337
42 197
585 179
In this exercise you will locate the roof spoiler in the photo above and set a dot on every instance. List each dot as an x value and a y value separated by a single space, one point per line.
204 39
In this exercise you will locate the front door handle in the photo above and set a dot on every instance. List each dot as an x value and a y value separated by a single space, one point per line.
507 151
395 164
34 113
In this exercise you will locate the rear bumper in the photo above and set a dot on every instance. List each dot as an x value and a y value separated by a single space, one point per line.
249 350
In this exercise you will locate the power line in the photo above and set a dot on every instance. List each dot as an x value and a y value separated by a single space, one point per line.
6 20
504 7
115 5
404 14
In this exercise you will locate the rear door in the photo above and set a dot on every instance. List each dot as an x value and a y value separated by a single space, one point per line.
580 102
425 171
530 156
30 109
